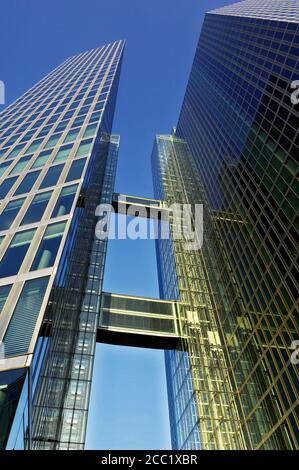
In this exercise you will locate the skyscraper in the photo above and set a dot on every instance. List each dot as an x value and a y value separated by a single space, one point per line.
58 163
241 127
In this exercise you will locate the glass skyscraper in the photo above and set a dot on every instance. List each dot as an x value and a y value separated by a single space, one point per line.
241 128
58 162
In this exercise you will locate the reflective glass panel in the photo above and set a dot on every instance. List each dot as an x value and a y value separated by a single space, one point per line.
76 170
47 251
52 141
6 186
4 291
37 208
19 167
3 167
42 159
52 176
15 253
10 212
72 135
65 201
27 183
63 153
84 148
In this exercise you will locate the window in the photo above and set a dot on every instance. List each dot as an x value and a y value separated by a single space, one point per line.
3 151
6 186
34 146
21 164
84 148
76 170
62 125
42 159
63 153
15 254
52 176
27 183
65 201
44 131
10 212
90 131
47 251
72 135
78 121
3 167
15 151
53 141
37 208
21 327
4 291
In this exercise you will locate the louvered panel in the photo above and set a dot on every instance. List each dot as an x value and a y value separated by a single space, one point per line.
19 333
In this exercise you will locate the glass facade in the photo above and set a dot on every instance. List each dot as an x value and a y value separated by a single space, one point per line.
57 164
242 130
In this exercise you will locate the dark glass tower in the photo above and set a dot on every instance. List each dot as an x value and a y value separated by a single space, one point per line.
242 130
58 163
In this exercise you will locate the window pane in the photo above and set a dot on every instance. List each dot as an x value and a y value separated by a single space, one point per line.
37 208
20 329
52 176
3 151
84 148
52 141
15 151
20 165
78 121
15 254
76 170
48 248
41 159
34 146
3 167
10 212
27 183
6 186
65 201
90 131
72 135
4 291
63 153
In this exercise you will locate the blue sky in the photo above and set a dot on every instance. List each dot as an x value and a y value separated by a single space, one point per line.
129 393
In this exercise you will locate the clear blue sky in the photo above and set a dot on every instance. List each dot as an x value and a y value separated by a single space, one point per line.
129 394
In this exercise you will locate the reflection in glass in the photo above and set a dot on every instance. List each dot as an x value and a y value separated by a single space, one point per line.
10 212
27 183
37 208
52 176
76 170
4 291
65 201
49 245
6 186
19 167
15 253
